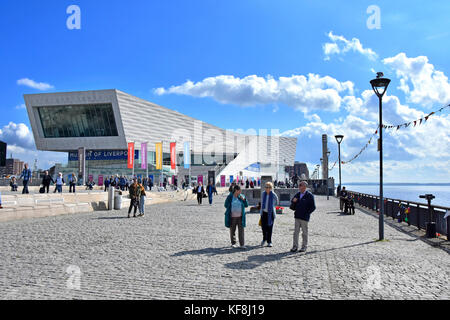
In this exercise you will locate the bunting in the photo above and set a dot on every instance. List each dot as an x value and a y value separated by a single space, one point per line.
417 122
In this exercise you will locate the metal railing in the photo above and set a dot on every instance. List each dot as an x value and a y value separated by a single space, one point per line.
418 215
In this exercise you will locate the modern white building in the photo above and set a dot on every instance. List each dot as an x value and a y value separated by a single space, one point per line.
105 121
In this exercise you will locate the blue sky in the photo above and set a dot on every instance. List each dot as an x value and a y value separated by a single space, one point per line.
140 46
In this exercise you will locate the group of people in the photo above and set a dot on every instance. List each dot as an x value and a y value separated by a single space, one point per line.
138 196
346 201
302 203
202 193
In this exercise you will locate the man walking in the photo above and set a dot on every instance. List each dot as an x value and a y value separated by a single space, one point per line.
304 205
26 175
46 180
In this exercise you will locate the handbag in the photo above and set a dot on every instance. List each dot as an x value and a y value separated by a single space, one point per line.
260 222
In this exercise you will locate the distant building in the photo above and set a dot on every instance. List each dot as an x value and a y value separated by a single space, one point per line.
12 167
299 168
2 154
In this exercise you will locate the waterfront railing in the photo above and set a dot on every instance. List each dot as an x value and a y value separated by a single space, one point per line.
410 212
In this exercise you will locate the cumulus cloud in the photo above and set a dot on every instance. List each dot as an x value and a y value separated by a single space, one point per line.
419 80
21 145
17 135
35 85
300 92
340 45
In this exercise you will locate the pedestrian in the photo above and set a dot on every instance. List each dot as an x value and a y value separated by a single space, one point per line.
268 213
200 192
46 180
135 194
304 205
72 183
107 183
27 178
235 215
141 199
342 197
252 185
59 183
13 184
210 189
247 184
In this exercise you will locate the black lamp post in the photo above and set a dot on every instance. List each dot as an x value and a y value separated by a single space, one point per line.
339 140
379 86
328 187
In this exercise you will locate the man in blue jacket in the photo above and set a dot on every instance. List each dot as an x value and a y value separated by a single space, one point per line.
304 206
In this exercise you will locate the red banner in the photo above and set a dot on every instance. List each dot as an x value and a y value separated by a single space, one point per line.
130 155
173 155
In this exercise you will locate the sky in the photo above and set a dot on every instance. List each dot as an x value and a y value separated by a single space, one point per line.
302 67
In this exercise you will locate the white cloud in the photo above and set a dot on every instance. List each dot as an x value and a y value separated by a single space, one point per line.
35 85
21 145
429 86
21 107
300 92
18 135
340 45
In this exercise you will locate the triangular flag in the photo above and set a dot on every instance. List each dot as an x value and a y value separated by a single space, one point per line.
426 118
415 123
398 214
398 127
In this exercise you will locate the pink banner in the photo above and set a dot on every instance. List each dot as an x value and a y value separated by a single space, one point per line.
222 181
144 155
200 179
100 180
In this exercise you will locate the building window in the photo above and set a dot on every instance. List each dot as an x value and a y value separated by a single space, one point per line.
74 121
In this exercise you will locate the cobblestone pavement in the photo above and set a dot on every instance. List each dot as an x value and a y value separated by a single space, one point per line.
182 251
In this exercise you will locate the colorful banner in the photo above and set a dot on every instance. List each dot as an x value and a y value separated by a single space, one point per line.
187 155
100 180
200 179
130 155
231 179
173 155
159 155
143 156
222 181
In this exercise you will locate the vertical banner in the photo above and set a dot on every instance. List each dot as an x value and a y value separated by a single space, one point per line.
100 180
130 155
231 179
81 163
143 155
222 181
187 155
200 179
173 155
158 148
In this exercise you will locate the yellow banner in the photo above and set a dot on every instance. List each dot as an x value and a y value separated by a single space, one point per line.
159 155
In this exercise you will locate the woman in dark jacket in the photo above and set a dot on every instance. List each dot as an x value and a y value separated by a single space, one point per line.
46 180
235 215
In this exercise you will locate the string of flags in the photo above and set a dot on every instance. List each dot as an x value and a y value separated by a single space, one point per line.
334 164
417 122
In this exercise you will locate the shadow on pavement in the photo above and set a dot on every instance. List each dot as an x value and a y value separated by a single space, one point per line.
214 251
258 260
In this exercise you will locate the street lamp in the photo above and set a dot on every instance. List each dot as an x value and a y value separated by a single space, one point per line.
339 138
326 177
379 86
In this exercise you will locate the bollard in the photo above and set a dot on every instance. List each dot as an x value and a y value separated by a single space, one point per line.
110 198
430 225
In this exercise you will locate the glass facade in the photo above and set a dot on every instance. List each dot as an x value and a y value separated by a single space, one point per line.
73 121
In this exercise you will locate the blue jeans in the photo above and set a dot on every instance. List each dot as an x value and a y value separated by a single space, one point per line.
59 188
142 205
25 186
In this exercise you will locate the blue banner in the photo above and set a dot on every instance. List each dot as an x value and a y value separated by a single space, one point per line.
98 155
187 155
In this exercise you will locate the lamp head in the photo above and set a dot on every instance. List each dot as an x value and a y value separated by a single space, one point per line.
339 138
380 84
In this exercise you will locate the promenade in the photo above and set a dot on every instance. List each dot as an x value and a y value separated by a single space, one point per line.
180 250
